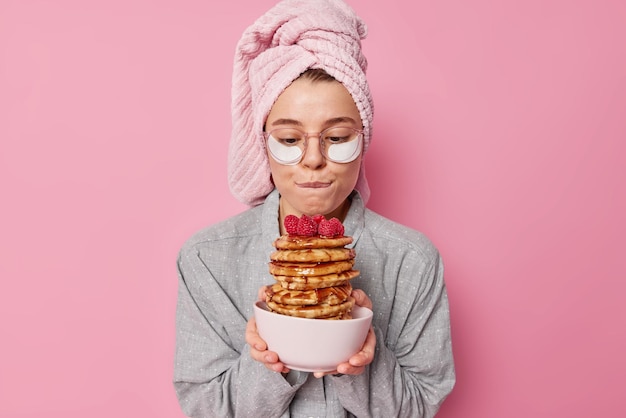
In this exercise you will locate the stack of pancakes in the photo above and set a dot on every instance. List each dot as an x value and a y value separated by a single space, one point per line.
313 276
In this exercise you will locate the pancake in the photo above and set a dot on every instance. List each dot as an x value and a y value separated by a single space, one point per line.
313 255
297 242
327 295
316 282
345 315
279 268
320 311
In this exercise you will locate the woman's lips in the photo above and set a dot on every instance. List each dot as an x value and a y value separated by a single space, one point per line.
313 185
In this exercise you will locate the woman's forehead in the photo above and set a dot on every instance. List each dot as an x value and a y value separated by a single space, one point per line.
310 102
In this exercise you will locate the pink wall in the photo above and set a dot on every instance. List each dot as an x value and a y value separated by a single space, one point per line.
499 132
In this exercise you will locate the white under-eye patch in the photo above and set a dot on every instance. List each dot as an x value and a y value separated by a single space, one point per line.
283 153
345 152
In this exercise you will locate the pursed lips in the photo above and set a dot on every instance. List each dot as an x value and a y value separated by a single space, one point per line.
313 185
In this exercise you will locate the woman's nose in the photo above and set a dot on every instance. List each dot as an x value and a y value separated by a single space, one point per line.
313 157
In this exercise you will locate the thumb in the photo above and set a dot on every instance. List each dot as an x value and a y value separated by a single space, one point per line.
361 298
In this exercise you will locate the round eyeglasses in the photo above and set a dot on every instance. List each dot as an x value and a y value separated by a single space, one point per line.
338 144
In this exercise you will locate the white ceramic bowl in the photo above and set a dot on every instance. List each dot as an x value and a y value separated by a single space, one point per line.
312 345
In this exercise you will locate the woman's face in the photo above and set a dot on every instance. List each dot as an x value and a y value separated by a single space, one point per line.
315 185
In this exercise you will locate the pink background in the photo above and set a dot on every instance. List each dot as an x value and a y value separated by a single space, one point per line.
500 132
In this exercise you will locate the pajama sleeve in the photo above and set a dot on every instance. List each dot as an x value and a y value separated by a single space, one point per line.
214 374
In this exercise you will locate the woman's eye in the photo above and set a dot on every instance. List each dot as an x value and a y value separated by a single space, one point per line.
289 141
337 139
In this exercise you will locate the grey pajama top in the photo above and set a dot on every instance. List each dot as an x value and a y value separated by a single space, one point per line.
221 269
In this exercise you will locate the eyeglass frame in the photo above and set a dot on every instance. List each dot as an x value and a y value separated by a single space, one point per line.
306 135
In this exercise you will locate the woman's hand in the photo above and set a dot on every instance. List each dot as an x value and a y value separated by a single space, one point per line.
356 364
258 347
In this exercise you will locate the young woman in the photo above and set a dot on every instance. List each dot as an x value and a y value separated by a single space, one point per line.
302 117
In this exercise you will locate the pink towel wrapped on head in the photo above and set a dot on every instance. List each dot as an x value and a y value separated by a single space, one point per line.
293 36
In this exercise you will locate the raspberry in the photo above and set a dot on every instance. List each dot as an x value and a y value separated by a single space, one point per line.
339 229
326 228
291 224
318 218
307 226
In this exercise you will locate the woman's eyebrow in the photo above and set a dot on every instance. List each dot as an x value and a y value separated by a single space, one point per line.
329 122
285 121
340 119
